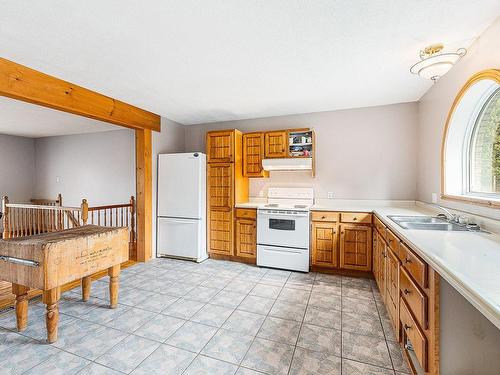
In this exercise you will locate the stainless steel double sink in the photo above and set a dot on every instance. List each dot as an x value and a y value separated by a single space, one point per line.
426 223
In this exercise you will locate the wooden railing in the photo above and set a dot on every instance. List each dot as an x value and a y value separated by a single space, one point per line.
116 215
21 220
29 219
48 202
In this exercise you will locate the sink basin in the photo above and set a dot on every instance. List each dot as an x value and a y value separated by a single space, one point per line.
417 219
433 226
426 223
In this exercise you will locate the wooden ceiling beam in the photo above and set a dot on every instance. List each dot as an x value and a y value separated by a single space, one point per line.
29 85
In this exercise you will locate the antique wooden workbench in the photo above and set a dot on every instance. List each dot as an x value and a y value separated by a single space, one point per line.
47 261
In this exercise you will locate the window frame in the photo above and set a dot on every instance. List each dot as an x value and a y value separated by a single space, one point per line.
465 195
483 103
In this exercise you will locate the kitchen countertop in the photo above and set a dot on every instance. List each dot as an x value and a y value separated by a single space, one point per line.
468 261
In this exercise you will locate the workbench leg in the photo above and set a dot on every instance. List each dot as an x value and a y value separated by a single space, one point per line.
114 273
51 298
21 293
86 285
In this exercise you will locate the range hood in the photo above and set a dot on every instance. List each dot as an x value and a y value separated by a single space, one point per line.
287 164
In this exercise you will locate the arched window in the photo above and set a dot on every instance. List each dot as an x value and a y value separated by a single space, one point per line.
471 143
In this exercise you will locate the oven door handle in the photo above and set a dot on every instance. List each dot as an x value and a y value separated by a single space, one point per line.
284 250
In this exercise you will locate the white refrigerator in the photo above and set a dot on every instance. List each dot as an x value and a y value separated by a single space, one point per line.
181 221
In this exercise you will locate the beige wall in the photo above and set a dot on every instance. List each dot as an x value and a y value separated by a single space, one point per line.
433 109
365 153
17 168
97 166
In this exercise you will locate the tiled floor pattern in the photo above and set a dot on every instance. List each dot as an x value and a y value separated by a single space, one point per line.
216 317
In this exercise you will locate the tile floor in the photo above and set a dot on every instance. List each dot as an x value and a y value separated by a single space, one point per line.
216 317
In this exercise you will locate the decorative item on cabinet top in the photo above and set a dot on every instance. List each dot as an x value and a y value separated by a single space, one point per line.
285 150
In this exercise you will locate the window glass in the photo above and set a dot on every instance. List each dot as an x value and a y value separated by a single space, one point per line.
484 154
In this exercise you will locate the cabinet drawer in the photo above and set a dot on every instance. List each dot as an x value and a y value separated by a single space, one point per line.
246 213
413 332
381 228
356 217
393 241
415 266
324 216
414 297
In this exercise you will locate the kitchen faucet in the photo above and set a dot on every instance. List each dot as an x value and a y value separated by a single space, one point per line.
450 216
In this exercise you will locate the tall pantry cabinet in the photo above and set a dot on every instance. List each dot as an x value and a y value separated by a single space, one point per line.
226 187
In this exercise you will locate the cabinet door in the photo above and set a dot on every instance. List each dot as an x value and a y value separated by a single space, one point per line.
276 144
253 153
220 185
324 244
246 238
220 147
375 260
220 232
355 247
392 288
381 255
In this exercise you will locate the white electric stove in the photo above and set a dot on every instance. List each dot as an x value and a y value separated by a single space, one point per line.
283 229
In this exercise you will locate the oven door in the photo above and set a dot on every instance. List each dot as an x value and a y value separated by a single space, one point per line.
283 229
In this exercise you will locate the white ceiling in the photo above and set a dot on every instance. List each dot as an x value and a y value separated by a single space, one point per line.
32 121
199 61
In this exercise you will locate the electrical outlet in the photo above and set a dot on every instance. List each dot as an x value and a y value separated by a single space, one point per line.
261 193
330 195
434 198
58 179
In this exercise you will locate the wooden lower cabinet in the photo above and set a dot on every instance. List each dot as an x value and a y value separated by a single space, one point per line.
220 235
392 264
379 267
246 237
410 290
324 244
355 247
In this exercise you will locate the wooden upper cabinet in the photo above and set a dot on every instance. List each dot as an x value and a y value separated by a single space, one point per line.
220 146
253 153
276 144
220 188
355 247
246 238
325 244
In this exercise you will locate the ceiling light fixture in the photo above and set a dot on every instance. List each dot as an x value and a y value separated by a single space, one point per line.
434 64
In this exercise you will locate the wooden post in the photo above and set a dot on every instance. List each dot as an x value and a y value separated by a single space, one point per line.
51 298
21 293
85 211
86 286
114 273
5 217
132 219
144 194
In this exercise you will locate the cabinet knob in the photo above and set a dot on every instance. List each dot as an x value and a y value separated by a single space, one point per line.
354 218
407 260
323 217
406 327
406 291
